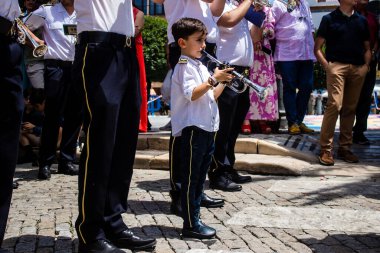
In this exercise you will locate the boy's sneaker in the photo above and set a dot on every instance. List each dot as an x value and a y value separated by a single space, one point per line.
326 158
359 138
305 129
347 156
294 129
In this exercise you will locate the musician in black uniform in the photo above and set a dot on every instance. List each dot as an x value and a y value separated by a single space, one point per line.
236 48
63 104
106 68
11 104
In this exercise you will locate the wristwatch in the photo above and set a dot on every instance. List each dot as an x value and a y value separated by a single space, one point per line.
212 81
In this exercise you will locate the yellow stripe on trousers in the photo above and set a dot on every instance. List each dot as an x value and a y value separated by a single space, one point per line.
188 187
87 147
171 165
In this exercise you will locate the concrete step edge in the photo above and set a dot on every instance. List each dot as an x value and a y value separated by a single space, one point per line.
252 163
243 145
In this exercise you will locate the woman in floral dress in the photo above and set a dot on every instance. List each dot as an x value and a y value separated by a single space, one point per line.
263 74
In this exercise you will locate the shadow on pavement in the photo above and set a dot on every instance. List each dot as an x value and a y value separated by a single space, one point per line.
338 242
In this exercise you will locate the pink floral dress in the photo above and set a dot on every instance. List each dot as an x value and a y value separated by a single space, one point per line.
263 74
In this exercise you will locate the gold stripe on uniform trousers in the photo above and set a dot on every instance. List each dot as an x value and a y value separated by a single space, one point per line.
171 165
87 146
188 187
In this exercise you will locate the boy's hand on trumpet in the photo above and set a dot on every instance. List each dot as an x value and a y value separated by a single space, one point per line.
223 75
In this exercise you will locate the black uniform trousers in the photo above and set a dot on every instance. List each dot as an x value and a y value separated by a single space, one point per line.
364 104
233 108
12 105
175 142
63 102
107 69
197 147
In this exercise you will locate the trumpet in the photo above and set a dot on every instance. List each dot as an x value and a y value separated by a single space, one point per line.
38 50
240 87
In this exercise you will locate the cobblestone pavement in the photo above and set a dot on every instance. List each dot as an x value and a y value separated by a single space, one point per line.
271 214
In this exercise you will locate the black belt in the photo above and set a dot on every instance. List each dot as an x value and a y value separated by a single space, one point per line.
110 38
241 69
58 63
5 26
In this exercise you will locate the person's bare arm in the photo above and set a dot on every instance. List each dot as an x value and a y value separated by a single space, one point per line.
221 75
216 6
367 53
319 42
139 22
232 18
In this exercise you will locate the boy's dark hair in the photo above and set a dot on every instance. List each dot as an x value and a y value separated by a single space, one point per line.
185 27
37 96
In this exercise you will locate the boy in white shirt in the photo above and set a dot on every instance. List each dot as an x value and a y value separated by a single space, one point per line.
195 118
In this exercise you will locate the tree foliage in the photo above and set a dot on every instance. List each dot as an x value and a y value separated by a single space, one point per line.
154 36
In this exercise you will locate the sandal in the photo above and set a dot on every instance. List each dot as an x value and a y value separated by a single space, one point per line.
246 129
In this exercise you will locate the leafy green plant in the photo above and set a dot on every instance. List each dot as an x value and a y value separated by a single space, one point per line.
154 36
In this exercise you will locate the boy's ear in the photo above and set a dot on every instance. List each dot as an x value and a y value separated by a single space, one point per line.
181 43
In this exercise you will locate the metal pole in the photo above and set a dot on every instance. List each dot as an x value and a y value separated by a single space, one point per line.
148 7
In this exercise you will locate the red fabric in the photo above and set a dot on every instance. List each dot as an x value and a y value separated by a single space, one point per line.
140 58
373 27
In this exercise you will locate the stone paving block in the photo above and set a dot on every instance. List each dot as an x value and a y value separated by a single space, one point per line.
277 245
259 232
299 247
45 250
45 241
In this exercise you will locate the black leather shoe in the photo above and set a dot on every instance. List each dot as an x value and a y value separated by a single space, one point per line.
99 246
15 186
237 178
68 168
222 181
200 231
127 240
44 172
209 202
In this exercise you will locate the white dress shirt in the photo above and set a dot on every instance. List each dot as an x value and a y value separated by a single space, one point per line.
60 46
202 112
173 11
9 9
201 11
105 16
235 44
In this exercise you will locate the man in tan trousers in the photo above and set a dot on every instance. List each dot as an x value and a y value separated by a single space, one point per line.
346 62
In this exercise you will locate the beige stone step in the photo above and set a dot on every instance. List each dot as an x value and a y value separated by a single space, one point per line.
243 145
253 163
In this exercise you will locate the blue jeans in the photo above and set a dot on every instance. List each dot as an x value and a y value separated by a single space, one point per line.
296 75
197 147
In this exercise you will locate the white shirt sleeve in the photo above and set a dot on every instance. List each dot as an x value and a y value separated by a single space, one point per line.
37 19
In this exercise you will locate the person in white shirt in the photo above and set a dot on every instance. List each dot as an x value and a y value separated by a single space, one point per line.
203 10
12 105
195 118
63 101
106 68
236 48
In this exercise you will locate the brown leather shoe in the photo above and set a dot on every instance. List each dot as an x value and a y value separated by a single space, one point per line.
294 129
306 130
326 158
347 156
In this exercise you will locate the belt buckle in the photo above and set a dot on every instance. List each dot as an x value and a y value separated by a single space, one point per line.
128 41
